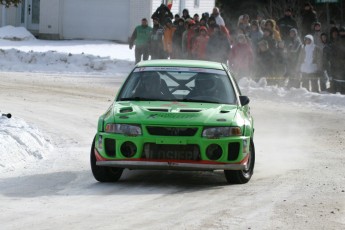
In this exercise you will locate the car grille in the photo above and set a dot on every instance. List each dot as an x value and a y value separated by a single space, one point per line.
171 131
171 152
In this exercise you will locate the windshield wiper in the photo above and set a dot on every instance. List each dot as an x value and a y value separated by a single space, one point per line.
138 99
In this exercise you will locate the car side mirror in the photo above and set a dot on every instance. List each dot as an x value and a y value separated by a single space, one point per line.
244 100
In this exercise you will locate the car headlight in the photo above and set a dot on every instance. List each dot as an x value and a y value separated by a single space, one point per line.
218 132
125 129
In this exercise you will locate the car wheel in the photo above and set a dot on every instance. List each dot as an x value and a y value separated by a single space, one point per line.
242 176
103 174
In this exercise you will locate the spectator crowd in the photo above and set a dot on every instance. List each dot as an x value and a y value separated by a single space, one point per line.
281 51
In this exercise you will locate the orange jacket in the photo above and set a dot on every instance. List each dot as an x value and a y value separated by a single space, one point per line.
168 35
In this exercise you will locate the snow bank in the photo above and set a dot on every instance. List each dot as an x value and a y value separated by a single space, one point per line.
20 144
15 33
300 96
54 62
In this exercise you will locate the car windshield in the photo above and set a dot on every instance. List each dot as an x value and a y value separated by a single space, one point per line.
178 84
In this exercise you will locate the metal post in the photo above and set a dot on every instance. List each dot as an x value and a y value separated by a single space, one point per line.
4 16
328 19
342 12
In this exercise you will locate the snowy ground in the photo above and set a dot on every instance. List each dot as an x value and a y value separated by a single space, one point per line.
57 89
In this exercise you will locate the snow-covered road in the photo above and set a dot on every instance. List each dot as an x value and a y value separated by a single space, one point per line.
298 181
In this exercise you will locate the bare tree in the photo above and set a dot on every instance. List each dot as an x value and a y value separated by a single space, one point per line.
9 3
275 9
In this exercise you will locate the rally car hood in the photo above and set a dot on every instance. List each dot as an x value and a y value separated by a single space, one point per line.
173 113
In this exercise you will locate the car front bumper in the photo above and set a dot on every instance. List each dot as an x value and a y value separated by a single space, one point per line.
170 164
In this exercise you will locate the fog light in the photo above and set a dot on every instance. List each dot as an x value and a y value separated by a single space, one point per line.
214 152
128 149
100 142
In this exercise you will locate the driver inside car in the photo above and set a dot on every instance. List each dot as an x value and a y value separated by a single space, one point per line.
205 85
151 86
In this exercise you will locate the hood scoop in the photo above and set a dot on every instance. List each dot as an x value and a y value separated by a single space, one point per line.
126 110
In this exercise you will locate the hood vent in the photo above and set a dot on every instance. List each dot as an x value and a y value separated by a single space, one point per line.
224 111
190 110
158 110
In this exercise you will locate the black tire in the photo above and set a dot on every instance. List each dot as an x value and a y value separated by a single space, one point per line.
103 174
242 176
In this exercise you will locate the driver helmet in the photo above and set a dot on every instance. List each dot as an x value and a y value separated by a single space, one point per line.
205 82
151 81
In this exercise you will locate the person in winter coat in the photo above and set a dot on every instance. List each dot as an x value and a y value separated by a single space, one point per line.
218 18
281 64
188 39
162 13
218 46
176 19
286 23
326 54
141 37
310 64
169 30
156 46
265 62
293 47
244 24
337 61
271 25
255 35
317 34
177 39
308 18
268 36
185 14
196 19
200 44
241 57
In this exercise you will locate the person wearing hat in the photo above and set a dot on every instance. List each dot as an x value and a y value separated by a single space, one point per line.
162 13
177 38
196 19
308 18
218 17
293 48
264 67
286 23
185 14
156 46
310 64
169 30
141 38
241 57
255 34
200 44
337 60
176 19
317 33
218 47
188 39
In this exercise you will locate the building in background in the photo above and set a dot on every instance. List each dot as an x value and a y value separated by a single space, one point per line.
89 19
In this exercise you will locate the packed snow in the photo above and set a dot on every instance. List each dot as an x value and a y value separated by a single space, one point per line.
21 52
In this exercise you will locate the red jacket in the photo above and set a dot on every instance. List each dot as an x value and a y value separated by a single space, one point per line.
241 56
199 47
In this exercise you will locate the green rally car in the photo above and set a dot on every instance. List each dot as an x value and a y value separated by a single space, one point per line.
176 115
